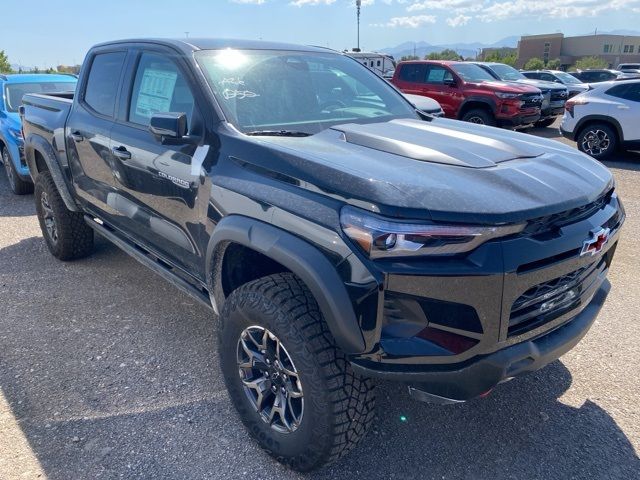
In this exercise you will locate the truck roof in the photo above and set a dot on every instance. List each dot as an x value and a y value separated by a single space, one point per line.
36 77
190 45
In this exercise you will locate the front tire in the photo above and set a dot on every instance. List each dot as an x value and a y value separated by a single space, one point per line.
598 140
66 234
331 406
17 185
479 117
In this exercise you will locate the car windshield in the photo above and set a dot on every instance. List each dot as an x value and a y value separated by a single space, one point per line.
506 72
15 91
276 91
566 78
472 73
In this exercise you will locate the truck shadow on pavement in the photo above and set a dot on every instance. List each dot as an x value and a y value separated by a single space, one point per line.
111 372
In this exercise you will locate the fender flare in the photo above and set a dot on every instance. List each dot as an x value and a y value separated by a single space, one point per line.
35 143
600 118
301 258
489 103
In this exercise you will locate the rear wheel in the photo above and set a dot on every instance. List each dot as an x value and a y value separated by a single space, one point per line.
293 388
547 122
65 232
480 117
598 140
18 186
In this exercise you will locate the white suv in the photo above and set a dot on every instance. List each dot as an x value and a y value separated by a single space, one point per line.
605 118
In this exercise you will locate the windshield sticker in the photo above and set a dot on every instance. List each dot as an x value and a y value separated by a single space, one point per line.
233 81
156 91
239 94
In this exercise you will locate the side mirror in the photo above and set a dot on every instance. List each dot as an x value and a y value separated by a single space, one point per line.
168 125
450 82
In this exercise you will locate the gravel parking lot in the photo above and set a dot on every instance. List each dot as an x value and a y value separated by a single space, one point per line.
107 371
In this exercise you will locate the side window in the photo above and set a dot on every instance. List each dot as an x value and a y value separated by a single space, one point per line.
102 83
412 72
633 93
618 91
159 86
547 77
438 75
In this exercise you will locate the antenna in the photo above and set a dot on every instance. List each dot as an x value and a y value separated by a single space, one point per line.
358 5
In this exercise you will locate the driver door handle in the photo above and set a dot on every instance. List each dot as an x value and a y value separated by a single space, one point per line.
121 152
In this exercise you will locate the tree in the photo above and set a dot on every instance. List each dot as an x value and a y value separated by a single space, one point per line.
534 64
590 62
496 57
446 54
36 70
5 66
409 57
553 64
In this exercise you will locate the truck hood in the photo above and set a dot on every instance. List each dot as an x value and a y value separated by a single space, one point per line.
443 170
497 85
541 84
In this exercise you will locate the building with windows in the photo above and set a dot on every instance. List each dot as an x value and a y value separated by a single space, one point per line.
614 49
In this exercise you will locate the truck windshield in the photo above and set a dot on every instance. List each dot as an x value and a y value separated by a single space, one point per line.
275 91
472 73
15 91
506 72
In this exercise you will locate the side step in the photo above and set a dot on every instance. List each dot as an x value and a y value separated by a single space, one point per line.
156 264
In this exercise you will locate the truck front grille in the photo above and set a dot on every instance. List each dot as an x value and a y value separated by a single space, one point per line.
546 301
550 222
558 95
531 100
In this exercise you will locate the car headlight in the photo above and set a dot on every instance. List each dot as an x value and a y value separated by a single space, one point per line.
507 95
380 237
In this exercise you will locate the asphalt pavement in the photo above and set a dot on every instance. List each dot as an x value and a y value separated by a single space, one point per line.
107 371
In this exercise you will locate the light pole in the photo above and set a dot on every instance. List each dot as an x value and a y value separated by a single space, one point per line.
358 5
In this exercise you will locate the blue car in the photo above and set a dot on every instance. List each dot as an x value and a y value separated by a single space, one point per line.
12 89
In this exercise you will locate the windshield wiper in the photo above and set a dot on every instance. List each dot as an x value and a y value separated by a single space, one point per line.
278 133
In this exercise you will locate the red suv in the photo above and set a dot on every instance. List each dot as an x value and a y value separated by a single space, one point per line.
467 92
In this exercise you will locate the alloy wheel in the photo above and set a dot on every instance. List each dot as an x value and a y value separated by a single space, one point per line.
49 218
476 120
270 379
596 142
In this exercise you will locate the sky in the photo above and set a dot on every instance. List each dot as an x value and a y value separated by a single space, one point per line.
35 34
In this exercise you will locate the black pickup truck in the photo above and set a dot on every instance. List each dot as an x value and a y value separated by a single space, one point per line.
339 234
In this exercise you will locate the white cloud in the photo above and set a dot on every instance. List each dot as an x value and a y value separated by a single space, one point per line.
456 6
407 22
458 21
249 2
503 10
302 3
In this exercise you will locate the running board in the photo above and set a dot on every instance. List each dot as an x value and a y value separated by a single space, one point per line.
155 264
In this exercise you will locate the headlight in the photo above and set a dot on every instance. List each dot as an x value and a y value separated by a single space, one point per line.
380 237
507 95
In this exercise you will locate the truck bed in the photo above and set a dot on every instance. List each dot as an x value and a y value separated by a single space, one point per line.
45 115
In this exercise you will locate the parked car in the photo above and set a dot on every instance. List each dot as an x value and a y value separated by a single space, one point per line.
12 89
555 95
574 86
631 67
468 93
600 75
337 242
604 119
425 105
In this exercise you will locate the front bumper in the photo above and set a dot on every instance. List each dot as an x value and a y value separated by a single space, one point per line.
554 110
456 327
479 375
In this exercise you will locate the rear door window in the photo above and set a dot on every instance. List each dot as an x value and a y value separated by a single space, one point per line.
413 72
102 83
